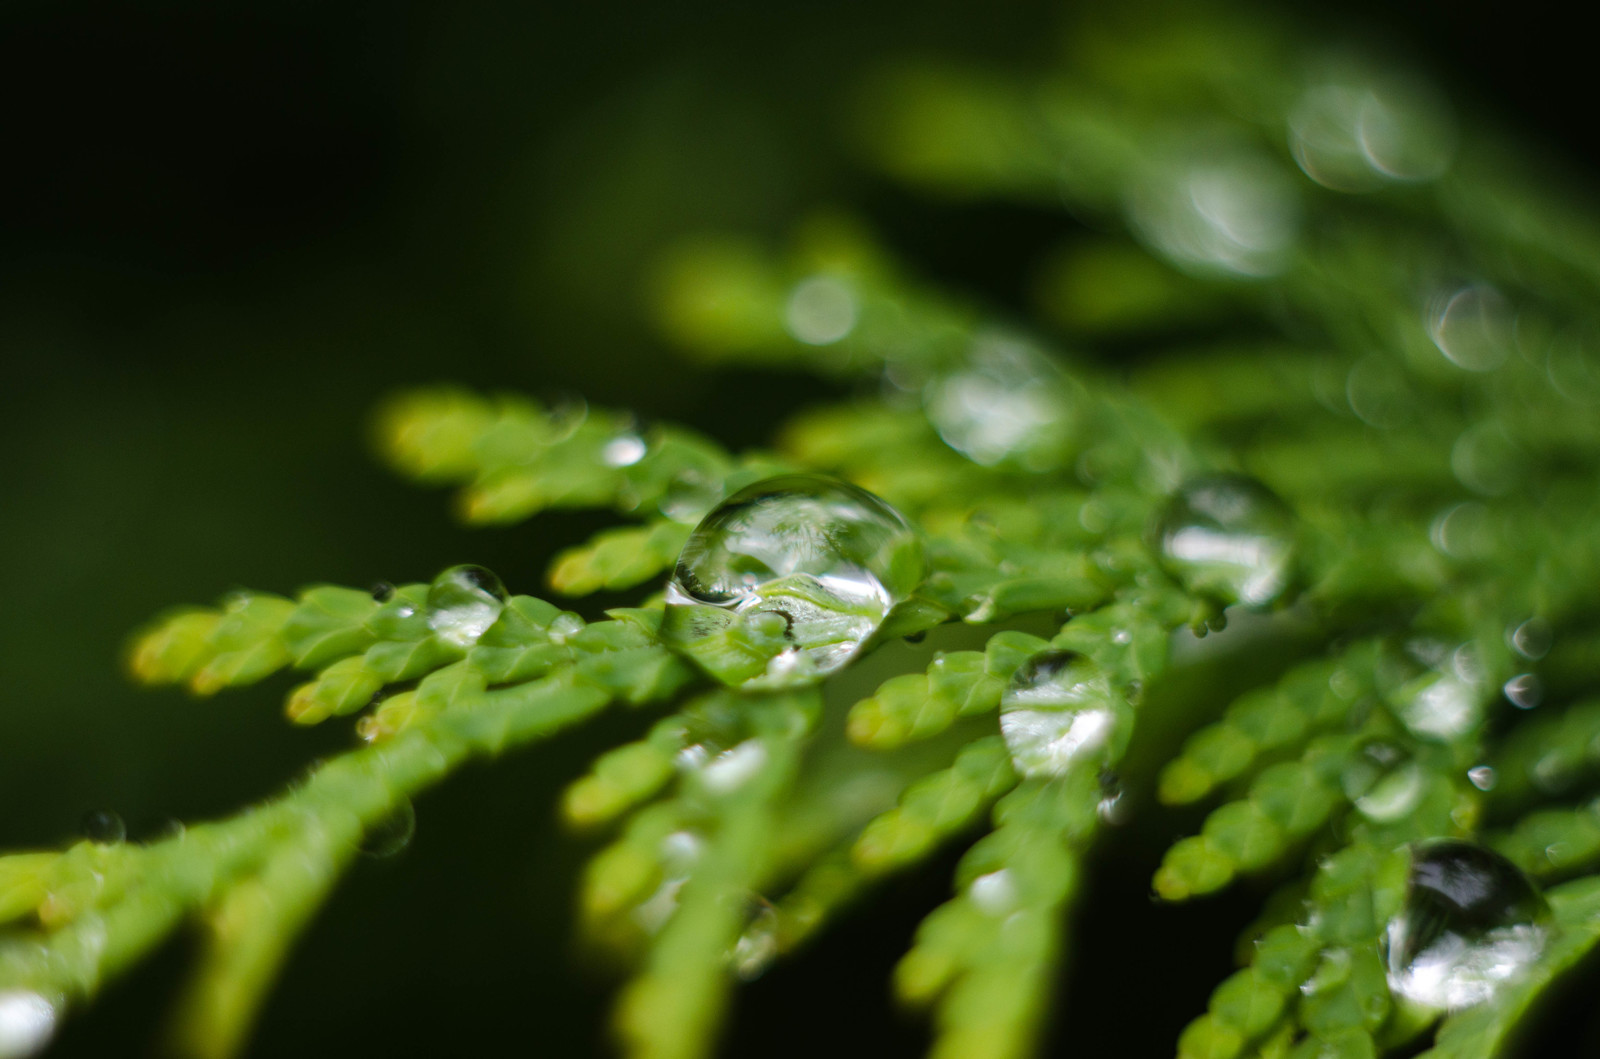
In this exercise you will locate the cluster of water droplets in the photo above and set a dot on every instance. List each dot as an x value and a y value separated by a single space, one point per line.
1231 539
783 582
1471 923
1059 712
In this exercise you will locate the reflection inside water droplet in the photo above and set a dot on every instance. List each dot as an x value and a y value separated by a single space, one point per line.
784 581
1228 537
463 602
1471 922
393 833
1009 403
1059 711
27 1023
103 827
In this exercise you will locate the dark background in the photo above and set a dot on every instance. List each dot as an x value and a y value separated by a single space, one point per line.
227 229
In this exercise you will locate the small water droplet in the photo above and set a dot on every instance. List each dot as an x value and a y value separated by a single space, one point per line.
784 581
994 894
689 495
1395 795
1439 706
1524 691
1010 403
382 592
1473 327
103 827
1378 393
1482 777
1059 710
821 311
393 833
1471 922
1532 638
757 946
1229 538
1112 808
916 637
463 602
624 450
27 1023
1486 460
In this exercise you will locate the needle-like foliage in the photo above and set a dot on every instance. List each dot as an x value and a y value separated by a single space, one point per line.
1357 418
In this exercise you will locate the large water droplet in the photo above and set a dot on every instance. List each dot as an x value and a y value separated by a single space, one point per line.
103 827
27 1022
1471 922
1009 403
1229 537
1059 710
393 833
784 581
463 602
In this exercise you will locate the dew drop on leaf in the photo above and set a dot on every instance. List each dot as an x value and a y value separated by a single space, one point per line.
1228 537
393 833
463 602
27 1023
1009 404
783 582
1059 710
103 827
1471 922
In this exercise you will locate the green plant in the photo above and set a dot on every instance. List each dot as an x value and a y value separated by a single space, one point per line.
1358 424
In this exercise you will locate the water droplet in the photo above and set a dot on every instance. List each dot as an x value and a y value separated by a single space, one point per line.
1359 134
689 495
1482 777
1009 403
1378 394
1524 691
1473 327
1059 710
1230 538
757 946
393 833
1471 922
463 602
382 592
1112 808
1532 638
1233 213
27 1023
1395 795
994 894
624 450
103 827
821 311
785 580
1440 706
1464 531
1486 460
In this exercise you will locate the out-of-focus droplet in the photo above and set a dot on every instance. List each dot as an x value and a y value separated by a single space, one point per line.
382 592
1464 531
27 1023
1394 796
1112 808
393 833
1378 394
103 827
1532 638
1358 135
1228 537
1230 213
463 602
624 450
821 310
1473 327
1524 691
1009 403
1482 777
1572 368
783 582
1486 460
1471 923
1440 705
757 946
689 496
1059 712
994 893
